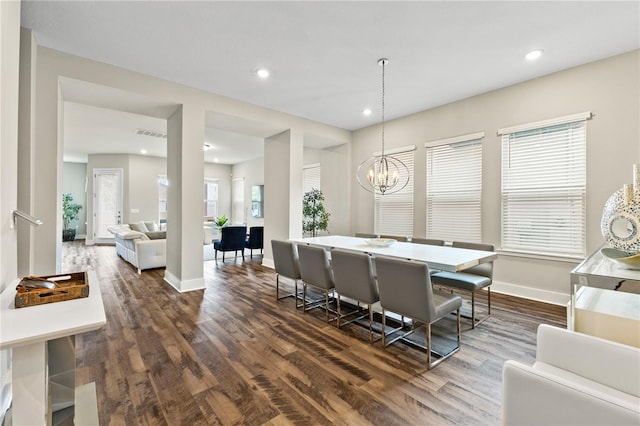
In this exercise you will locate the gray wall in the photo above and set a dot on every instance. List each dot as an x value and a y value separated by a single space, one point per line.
74 179
609 88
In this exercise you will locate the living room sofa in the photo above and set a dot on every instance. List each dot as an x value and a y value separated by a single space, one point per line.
577 379
144 252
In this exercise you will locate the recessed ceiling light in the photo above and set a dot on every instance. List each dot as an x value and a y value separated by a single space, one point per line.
143 151
263 73
215 160
367 111
534 54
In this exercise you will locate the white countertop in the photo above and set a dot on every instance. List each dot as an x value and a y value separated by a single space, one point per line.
437 257
24 326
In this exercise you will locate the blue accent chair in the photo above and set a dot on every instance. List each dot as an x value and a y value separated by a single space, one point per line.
256 239
231 239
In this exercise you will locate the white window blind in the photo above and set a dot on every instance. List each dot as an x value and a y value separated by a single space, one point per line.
454 190
544 189
311 177
393 213
211 199
237 199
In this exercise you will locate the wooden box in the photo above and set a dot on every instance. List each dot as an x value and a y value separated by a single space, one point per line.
67 287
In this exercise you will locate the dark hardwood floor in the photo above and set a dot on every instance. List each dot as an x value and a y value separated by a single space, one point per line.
231 354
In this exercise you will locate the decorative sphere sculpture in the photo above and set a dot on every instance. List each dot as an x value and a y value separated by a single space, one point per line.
620 225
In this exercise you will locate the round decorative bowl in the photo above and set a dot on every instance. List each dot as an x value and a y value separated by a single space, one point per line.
380 242
626 260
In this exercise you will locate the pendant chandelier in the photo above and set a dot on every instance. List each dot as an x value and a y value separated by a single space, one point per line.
383 174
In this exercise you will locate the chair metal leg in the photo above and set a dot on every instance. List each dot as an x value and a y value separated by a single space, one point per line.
383 332
339 313
428 330
370 322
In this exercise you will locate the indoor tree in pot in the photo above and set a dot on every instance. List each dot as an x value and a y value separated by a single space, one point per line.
70 212
316 218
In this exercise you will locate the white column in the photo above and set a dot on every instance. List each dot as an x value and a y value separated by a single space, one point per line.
283 161
185 173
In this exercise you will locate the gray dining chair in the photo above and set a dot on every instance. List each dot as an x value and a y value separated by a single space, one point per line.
315 271
471 279
365 235
405 289
395 237
354 278
427 241
285 260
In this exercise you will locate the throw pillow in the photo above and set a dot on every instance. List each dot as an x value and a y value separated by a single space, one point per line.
156 235
138 226
151 226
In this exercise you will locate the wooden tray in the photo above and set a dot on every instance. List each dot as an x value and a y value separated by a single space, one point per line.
74 287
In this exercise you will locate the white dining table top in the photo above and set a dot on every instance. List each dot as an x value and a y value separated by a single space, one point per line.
444 258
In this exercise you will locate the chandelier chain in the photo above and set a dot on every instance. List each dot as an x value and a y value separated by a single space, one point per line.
383 64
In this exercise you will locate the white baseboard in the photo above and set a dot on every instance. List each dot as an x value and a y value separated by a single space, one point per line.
268 263
552 297
183 285
88 242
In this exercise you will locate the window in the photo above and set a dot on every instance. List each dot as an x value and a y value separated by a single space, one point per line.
210 198
163 185
544 187
454 188
237 198
393 213
310 177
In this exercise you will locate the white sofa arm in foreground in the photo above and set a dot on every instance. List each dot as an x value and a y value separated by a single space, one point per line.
577 379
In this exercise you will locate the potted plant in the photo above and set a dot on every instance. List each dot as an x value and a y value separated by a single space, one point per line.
70 212
221 221
316 218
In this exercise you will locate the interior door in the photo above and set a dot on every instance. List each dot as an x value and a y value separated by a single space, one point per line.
107 207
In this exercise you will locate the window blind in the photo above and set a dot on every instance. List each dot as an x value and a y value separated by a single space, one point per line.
211 199
311 177
393 213
544 189
237 198
454 191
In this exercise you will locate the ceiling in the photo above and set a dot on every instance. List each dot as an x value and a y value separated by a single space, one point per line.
323 55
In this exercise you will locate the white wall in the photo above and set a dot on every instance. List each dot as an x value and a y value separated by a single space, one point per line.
144 192
335 176
52 65
74 179
609 88
9 63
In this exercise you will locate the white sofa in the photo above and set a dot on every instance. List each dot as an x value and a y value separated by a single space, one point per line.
136 248
577 379
143 253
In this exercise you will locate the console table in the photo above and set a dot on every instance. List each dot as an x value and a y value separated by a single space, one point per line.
597 270
611 315
27 331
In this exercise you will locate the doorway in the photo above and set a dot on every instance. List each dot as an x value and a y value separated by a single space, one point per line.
107 205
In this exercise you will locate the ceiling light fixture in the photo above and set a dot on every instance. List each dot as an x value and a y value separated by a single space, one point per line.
533 55
385 174
367 111
263 73
206 146
143 151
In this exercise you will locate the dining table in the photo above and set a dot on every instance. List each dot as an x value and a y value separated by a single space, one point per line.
443 258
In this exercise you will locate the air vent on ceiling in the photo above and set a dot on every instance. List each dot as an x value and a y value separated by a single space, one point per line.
151 133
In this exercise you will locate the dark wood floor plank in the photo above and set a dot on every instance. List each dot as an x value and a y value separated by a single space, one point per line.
231 354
